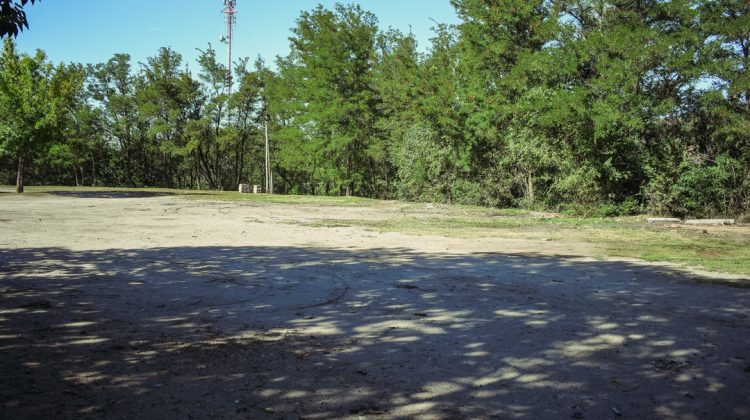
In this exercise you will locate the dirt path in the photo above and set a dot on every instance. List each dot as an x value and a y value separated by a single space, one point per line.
126 306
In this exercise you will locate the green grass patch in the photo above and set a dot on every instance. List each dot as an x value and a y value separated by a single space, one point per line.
280 199
722 250
726 249
464 226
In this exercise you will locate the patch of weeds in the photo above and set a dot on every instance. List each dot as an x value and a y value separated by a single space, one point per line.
328 223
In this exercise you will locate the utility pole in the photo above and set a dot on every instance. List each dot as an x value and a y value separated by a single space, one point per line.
269 173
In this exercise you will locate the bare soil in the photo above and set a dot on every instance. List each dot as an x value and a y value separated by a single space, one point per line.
122 305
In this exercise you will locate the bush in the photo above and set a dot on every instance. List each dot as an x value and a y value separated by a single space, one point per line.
629 207
466 192
419 160
578 188
703 191
660 196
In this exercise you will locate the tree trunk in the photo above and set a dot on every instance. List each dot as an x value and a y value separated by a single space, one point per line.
19 178
197 168
210 175
312 177
93 171
530 187
285 179
241 166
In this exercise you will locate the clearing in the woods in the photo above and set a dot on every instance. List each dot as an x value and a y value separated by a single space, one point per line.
155 303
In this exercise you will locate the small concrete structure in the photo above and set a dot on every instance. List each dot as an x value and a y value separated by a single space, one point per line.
710 222
247 188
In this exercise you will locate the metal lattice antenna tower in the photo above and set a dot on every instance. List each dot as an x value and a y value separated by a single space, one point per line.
229 10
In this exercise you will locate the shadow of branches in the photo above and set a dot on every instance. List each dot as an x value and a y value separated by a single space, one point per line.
252 332
111 194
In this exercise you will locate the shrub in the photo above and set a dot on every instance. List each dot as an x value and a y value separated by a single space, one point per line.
419 159
466 192
703 191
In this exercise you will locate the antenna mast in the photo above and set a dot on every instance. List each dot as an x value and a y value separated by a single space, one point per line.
229 10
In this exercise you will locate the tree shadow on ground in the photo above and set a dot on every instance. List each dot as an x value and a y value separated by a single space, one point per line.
252 332
110 194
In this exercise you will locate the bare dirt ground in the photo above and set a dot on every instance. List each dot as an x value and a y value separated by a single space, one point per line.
150 306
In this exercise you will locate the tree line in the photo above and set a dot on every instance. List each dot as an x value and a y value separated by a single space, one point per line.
594 107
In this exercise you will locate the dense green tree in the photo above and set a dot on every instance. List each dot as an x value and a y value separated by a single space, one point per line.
250 107
83 147
112 86
34 102
299 157
164 109
395 77
499 50
718 148
333 53
210 141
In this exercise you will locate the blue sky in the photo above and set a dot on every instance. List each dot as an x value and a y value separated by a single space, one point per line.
90 31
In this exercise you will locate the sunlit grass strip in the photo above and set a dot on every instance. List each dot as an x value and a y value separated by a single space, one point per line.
715 251
721 251
281 199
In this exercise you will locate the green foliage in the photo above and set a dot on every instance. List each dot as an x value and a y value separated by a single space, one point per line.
13 17
577 186
707 190
333 106
592 107
421 161
466 192
35 99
